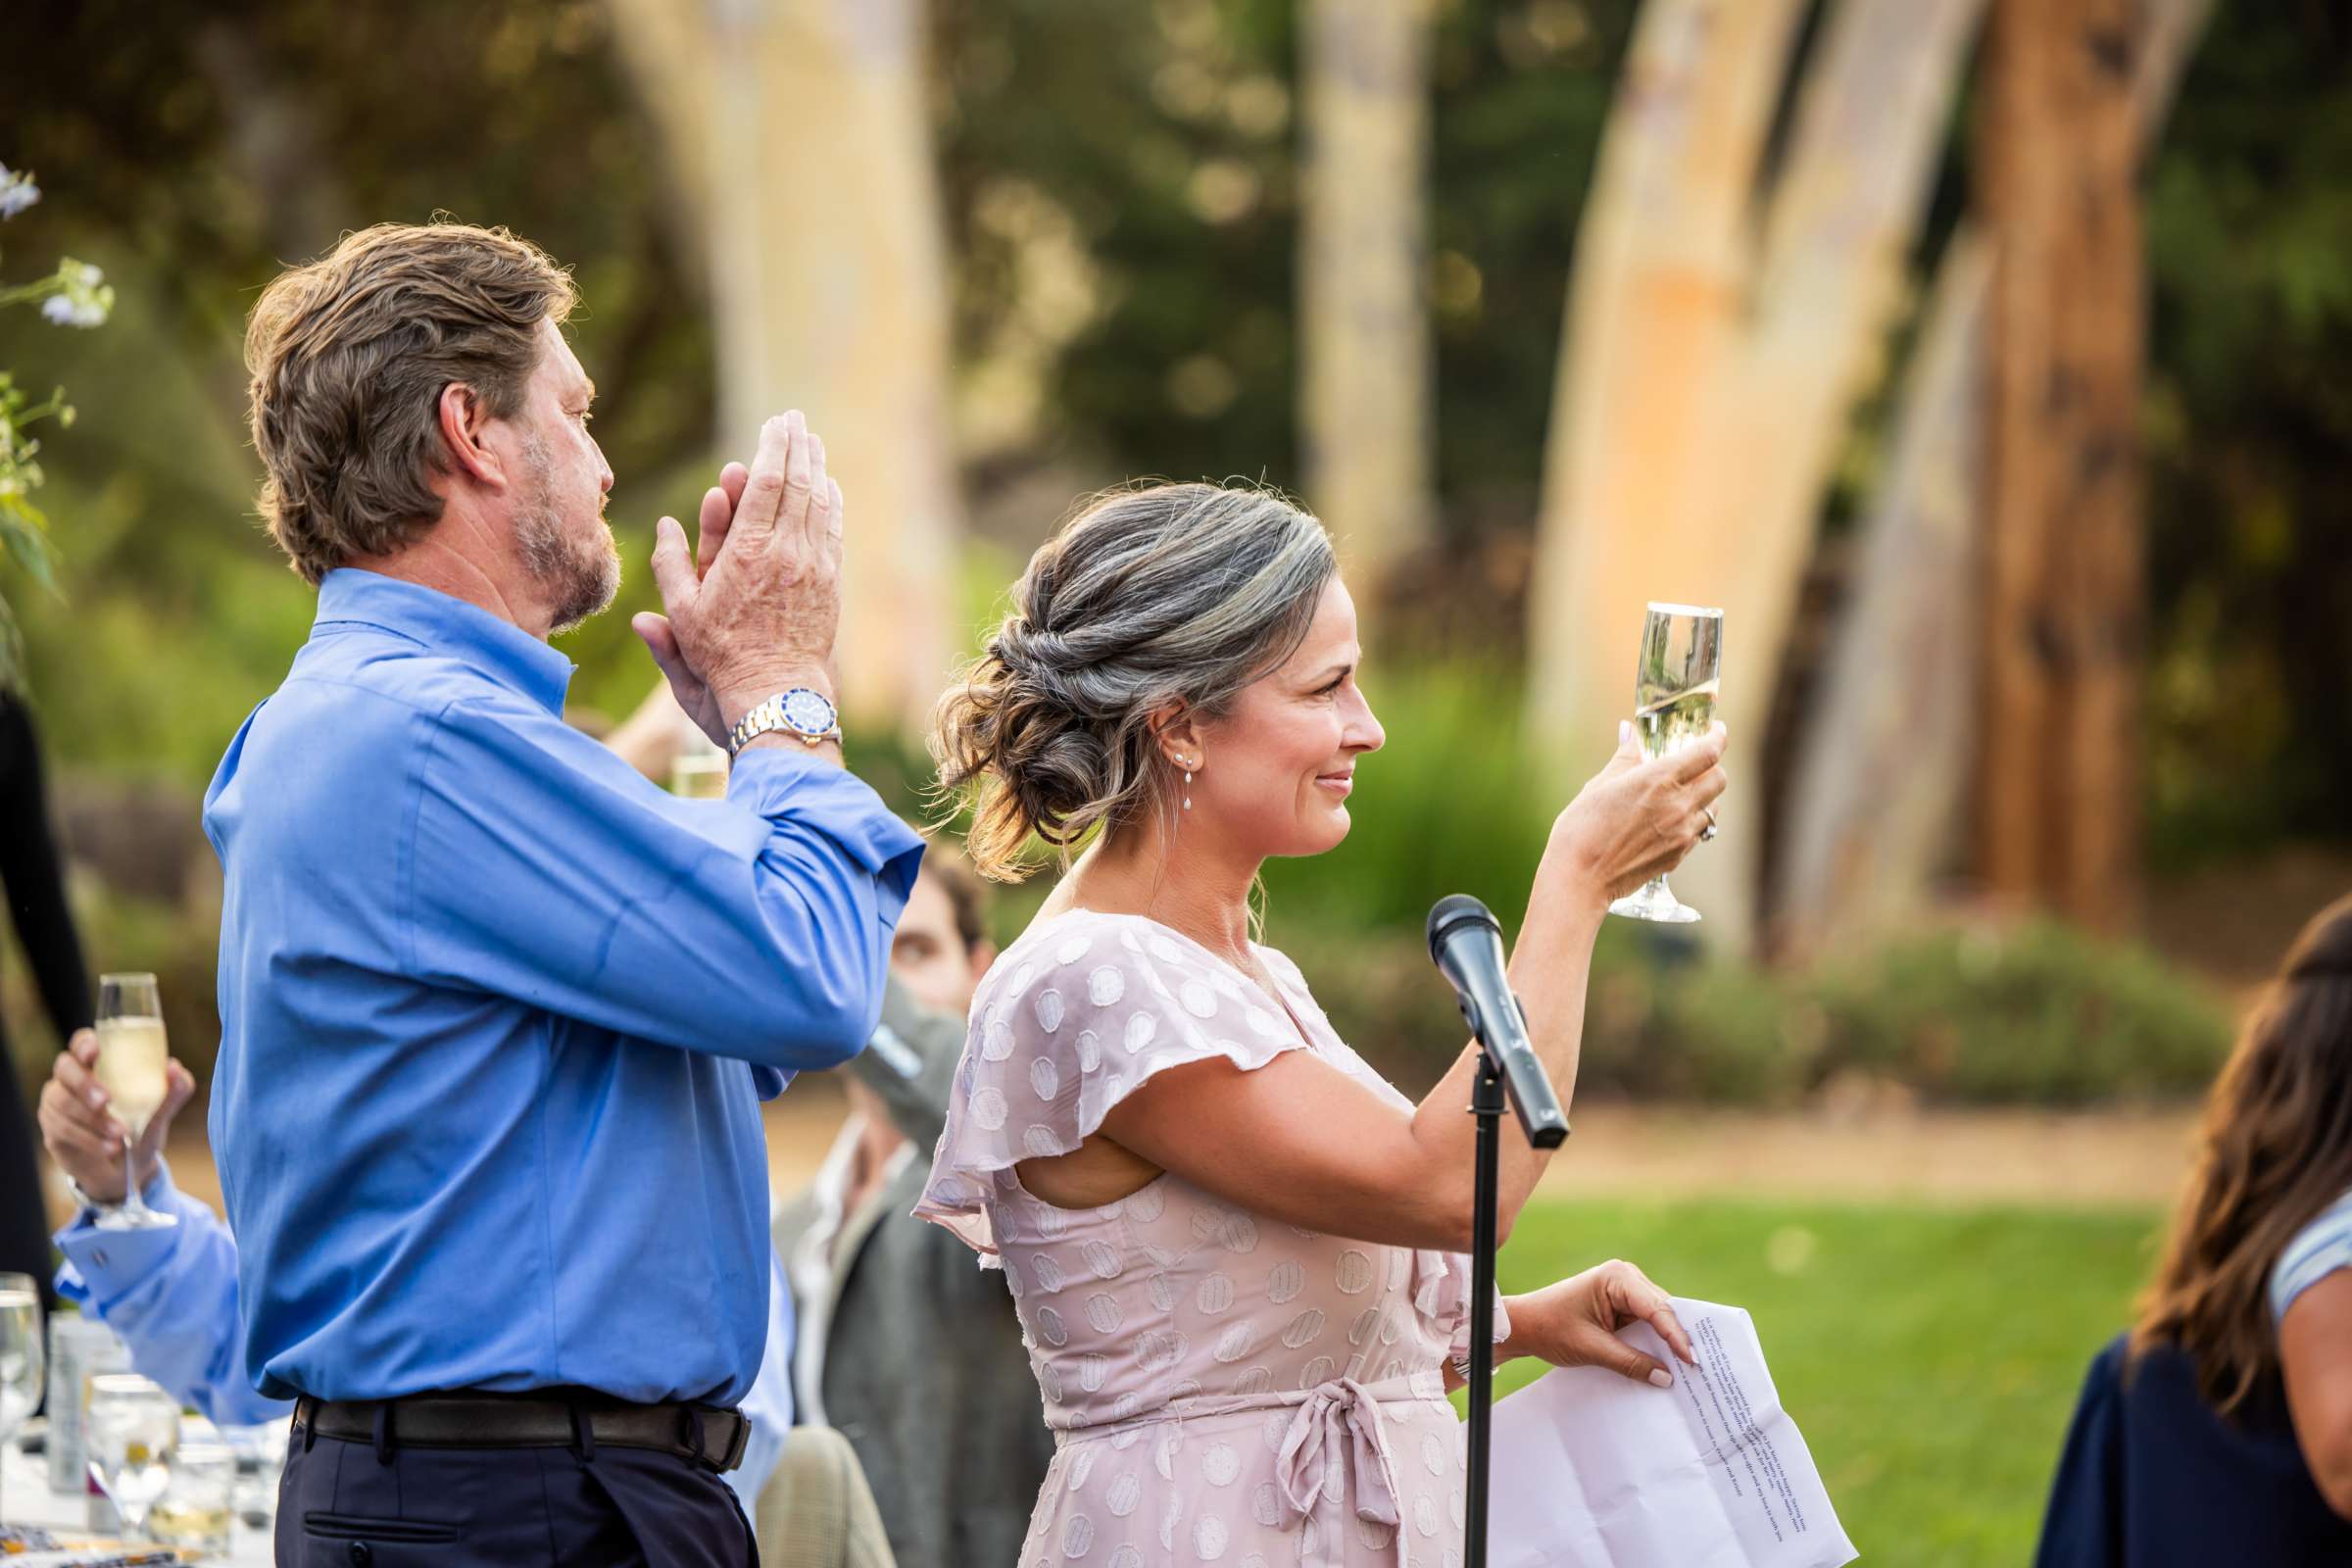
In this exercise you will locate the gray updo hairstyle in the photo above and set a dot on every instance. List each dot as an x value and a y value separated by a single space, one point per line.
1149 596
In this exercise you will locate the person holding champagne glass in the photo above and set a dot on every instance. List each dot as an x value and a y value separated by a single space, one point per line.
1236 1250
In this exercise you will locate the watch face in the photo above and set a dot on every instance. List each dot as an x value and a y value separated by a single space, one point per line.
807 711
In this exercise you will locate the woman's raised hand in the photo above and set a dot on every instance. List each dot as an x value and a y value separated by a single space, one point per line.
1575 1323
1636 818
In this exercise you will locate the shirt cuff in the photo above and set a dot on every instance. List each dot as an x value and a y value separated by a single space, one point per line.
103 1266
774 781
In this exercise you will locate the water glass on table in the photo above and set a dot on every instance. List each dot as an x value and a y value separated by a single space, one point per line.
132 1055
196 1508
20 1357
133 1433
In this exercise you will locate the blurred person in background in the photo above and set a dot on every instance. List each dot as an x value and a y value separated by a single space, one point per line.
906 1346
1235 1249
32 875
2219 1428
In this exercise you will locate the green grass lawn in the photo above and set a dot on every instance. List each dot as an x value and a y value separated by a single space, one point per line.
1930 1357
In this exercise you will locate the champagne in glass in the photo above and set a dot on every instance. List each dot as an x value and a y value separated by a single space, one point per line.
698 771
134 1428
131 1053
20 1352
1675 682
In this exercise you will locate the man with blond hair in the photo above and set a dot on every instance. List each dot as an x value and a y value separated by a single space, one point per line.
496 1012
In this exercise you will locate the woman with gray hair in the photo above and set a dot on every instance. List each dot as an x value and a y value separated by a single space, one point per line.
1235 1246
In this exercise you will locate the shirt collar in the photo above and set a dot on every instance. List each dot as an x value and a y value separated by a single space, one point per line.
500 649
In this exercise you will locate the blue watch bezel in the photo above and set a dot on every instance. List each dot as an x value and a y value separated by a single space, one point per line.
832 714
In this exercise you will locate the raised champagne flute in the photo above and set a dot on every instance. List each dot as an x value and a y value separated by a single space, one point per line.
132 1053
1675 682
20 1352
133 1433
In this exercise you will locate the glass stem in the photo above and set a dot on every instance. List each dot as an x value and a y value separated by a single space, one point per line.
132 1203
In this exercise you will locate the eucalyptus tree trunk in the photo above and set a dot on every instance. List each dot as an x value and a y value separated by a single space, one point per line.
2064 616
801 134
1717 338
1879 794
1364 321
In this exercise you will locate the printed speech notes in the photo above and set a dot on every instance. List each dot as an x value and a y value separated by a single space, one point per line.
1592 1471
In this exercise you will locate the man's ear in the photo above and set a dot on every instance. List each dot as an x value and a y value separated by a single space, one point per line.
463 418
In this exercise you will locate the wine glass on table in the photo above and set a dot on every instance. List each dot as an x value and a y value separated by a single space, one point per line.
133 1433
1675 682
131 1053
19 1354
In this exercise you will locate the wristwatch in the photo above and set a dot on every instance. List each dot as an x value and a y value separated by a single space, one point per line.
799 712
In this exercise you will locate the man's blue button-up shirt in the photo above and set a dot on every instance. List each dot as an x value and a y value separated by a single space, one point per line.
496 1013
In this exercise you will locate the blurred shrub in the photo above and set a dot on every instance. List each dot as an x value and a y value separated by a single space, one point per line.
2040 1012
2038 1015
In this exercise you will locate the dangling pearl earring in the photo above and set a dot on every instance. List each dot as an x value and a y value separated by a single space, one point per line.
1188 789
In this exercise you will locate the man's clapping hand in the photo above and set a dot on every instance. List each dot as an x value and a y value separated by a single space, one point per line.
753 610
84 1136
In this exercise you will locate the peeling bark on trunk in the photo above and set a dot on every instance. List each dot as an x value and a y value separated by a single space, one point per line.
2059 807
1711 364
1883 777
1364 318
802 134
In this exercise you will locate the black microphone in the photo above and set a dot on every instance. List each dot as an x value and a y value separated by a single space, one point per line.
1467 946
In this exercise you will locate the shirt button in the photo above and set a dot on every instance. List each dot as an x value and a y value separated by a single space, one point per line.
361 1554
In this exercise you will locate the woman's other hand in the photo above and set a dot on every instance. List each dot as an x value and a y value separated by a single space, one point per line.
1636 818
1575 1323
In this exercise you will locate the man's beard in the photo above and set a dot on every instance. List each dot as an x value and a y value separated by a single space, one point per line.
578 577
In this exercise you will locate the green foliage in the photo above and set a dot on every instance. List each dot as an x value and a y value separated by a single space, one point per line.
77 294
2249 421
1934 1406
207 151
2039 1015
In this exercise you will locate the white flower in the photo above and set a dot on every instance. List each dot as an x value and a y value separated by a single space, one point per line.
82 297
67 311
17 191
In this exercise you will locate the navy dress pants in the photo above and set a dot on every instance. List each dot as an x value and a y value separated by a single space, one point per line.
349 1505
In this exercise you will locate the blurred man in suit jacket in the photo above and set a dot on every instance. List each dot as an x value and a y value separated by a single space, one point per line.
903 1345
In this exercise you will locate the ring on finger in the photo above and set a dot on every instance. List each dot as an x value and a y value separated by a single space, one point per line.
1708 832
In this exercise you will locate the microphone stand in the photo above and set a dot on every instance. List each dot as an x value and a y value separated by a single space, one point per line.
1466 944
1485 1104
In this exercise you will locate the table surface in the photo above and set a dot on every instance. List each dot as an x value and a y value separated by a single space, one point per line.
25 1500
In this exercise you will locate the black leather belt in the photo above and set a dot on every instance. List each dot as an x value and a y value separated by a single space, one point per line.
544 1419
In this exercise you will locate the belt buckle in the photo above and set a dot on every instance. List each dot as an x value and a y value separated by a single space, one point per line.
736 1443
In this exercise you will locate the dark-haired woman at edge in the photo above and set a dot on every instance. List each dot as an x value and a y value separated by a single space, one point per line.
2220 1429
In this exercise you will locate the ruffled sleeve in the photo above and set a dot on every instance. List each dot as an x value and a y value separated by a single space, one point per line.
1072 1020
1441 1281
1442 1296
